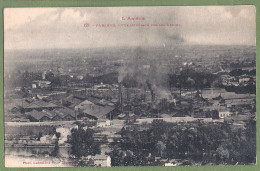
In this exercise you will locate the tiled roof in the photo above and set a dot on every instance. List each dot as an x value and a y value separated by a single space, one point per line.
37 115
97 110
62 112
40 104
49 113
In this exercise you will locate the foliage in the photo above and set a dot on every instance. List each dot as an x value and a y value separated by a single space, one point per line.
195 142
55 151
83 143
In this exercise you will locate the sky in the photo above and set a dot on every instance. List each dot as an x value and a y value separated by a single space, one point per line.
45 28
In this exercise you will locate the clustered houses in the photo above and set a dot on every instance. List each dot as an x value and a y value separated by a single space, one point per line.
67 109
127 105
62 114
90 93
242 80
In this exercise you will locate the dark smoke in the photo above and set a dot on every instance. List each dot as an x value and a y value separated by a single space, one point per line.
148 72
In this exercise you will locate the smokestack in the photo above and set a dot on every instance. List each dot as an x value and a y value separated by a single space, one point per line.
144 95
120 96
127 94
163 103
153 96
149 85
85 91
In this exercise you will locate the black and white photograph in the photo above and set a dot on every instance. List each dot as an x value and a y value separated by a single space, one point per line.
130 86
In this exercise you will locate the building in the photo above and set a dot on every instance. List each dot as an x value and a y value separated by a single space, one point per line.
47 75
102 160
62 114
41 84
95 108
53 115
72 101
80 77
103 123
36 116
244 79
64 133
48 139
39 105
101 86
18 89
66 114
223 113
94 111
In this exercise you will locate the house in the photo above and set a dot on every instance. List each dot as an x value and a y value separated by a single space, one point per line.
95 108
39 105
101 86
41 84
66 114
80 77
121 116
53 115
34 85
223 113
62 114
83 105
36 116
47 75
103 123
64 133
20 120
72 101
102 160
48 139
17 109
244 79
240 102
128 116
57 118
18 89
94 111
170 164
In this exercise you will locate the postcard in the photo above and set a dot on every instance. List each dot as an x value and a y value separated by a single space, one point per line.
130 86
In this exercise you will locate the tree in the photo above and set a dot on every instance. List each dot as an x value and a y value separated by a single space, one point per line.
160 147
222 154
123 132
39 136
83 143
158 129
55 152
57 135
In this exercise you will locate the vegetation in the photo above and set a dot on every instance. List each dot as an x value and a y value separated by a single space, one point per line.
250 88
83 143
239 72
199 143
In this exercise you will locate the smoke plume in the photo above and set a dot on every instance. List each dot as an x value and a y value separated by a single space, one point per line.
148 71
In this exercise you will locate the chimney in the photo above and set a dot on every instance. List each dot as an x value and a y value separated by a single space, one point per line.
144 95
91 107
153 96
120 96
85 92
127 94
